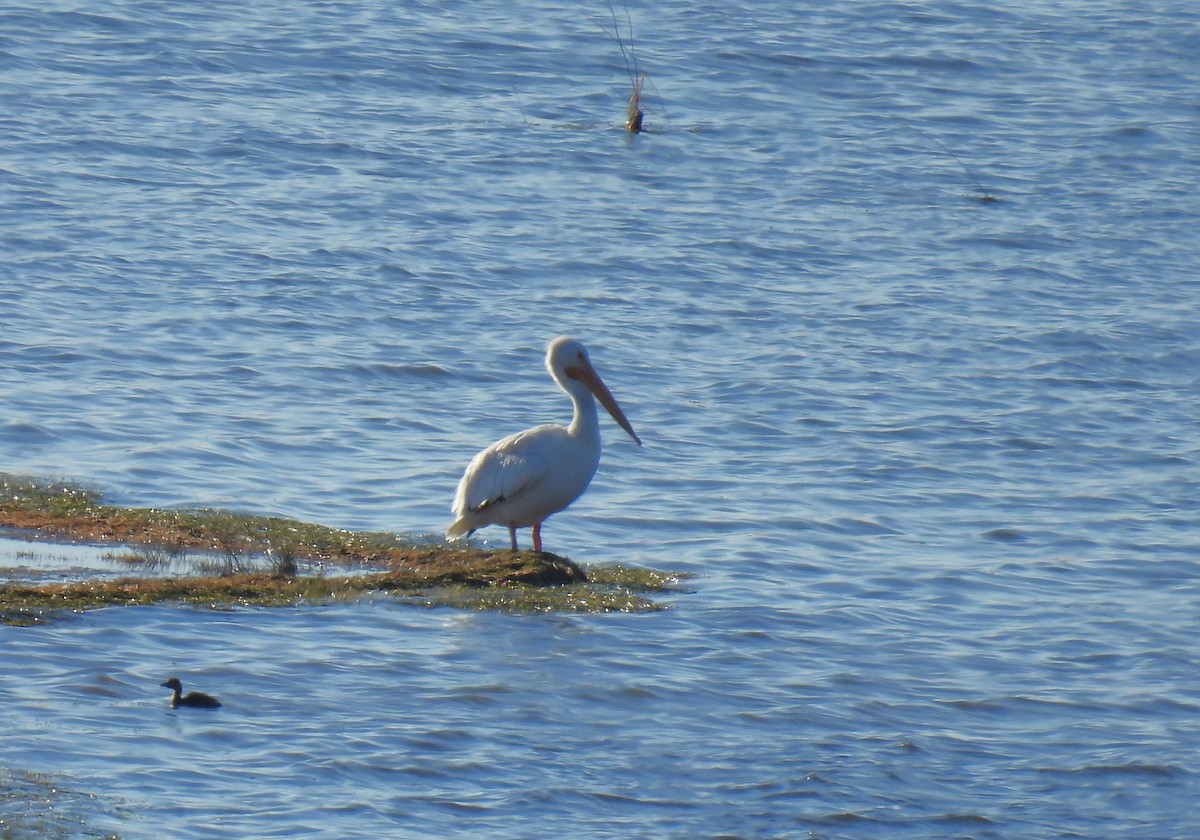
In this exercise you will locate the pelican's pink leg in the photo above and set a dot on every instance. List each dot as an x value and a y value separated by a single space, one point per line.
537 538
512 534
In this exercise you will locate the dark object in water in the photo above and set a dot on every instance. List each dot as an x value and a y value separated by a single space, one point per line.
193 699
633 115
634 124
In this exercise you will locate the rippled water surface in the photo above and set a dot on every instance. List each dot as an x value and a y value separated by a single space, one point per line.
900 297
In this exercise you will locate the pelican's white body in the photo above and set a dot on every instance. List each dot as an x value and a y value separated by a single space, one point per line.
521 480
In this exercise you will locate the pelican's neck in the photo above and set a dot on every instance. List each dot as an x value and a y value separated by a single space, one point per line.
585 422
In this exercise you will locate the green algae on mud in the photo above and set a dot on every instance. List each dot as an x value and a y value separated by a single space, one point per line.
501 581
434 575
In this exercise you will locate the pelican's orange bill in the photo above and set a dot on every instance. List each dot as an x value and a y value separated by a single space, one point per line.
588 376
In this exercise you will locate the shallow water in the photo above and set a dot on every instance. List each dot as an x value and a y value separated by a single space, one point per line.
29 557
44 561
932 457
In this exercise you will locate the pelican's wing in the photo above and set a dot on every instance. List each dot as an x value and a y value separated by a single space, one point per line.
502 472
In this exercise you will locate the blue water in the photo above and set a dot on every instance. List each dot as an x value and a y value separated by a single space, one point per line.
931 457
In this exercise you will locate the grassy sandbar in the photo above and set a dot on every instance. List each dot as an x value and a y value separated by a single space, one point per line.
437 575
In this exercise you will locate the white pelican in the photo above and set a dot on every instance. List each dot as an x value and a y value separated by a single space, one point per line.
526 477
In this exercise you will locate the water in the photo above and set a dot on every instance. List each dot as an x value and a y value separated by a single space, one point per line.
931 457
49 561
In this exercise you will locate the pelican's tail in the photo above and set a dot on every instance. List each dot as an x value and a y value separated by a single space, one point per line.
460 529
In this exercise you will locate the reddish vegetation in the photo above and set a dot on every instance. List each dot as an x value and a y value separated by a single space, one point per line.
115 528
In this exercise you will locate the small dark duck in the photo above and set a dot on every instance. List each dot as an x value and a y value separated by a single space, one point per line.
193 699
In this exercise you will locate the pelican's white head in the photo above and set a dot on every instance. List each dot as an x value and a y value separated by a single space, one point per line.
567 359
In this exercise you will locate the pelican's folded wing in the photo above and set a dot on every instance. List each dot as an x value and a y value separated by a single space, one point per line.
501 473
